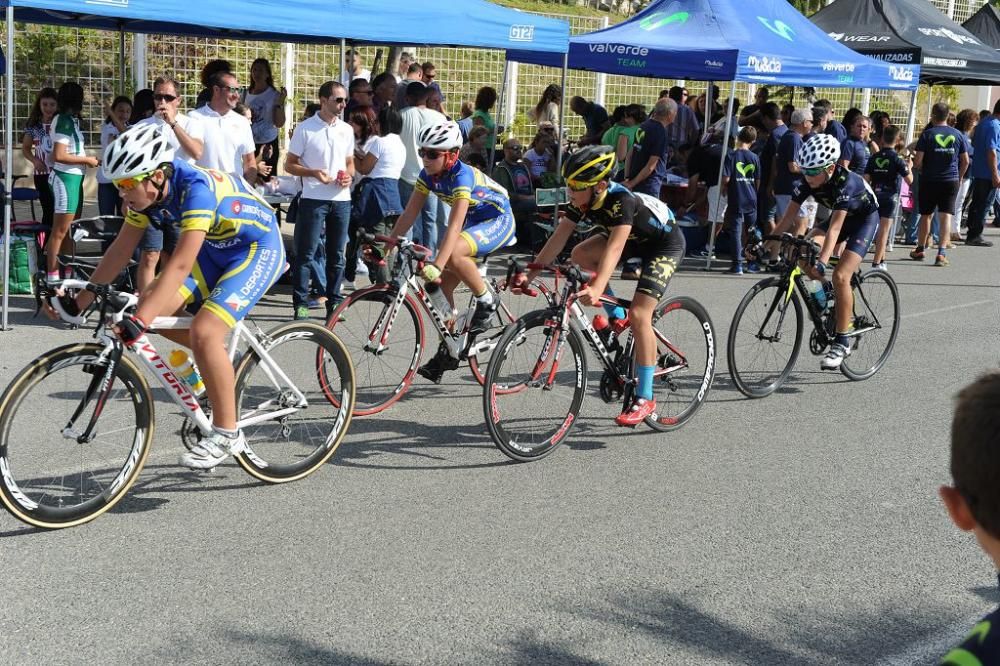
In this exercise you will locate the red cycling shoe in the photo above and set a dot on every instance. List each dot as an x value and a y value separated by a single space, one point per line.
637 413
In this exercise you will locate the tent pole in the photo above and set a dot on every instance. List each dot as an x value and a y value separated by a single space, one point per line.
708 110
851 103
121 57
562 116
499 114
343 65
898 210
912 120
722 166
8 202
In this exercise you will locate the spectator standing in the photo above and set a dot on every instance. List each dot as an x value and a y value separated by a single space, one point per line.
267 111
759 100
405 60
434 102
740 178
415 73
384 87
683 132
143 106
465 122
360 95
227 133
36 146
770 118
321 153
854 152
486 98
429 77
833 126
512 174
211 68
985 176
621 135
415 117
355 67
883 172
595 119
547 109
650 150
787 174
69 164
116 122
942 159
965 123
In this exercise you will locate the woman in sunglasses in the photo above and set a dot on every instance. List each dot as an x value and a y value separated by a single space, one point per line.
229 254
481 222
624 221
854 220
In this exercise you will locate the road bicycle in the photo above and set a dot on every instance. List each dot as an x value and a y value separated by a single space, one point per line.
766 333
382 327
537 376
77 423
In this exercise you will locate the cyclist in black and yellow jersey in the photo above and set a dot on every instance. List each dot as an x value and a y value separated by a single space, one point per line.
622 219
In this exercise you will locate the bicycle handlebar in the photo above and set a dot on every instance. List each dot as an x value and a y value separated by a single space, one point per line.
420 253
811 247
118 300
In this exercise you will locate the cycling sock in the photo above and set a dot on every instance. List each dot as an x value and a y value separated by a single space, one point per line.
486 298
645 388
614 311
52 276
842 339
226 432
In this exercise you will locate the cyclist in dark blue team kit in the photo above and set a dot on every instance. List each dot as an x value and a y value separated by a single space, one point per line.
854 220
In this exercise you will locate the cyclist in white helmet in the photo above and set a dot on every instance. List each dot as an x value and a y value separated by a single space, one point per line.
229 254
481 222
854 221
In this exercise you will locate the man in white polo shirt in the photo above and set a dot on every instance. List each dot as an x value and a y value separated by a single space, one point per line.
229 145
321 153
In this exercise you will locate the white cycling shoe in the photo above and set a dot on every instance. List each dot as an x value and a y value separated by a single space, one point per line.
835 357
212 450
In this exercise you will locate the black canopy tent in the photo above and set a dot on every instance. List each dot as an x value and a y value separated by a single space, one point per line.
985 24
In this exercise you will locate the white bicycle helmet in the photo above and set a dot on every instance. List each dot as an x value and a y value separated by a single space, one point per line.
819 151
136 151
442 136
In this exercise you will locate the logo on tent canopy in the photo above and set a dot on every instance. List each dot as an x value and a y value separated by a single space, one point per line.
522 33
948 34
900 73
764 65
780 28
659 19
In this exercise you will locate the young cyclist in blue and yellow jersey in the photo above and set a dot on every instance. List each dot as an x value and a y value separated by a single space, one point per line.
481 222
229 254
622 220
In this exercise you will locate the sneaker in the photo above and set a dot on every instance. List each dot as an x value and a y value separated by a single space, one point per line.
917 255
330 307
301 312
361 268
880 266
637 413
435 368
978 241
212 450
482 316
316 302
735 270
835 357
941 260
752 267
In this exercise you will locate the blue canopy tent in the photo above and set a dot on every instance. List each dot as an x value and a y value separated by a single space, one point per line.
475 23
766 41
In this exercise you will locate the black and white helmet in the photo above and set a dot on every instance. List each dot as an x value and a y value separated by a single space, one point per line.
819 151
442 136
136 151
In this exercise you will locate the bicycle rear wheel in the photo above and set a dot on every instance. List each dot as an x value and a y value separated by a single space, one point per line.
763 344
47 477
685 361
290 447
876 325
532 395
383 369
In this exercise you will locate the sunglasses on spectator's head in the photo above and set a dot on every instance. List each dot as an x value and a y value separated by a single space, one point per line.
160 97
126 184
430 153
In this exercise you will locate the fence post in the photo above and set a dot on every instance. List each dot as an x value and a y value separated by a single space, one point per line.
288 80
139 77
510 104
602 78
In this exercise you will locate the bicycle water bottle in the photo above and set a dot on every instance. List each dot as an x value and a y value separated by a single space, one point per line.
818 293
184 368
439 300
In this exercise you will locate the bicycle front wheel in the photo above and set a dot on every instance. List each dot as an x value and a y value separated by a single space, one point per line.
294 410
764 338
876 324
383 365
48 477
535 384
512 307
685 361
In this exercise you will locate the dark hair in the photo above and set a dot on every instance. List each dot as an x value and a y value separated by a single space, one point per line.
417 92
364 117
143 105
476 160
770 111
326 90
636 112
218 79
353 86
850 117
889 135
975 463
939 112
477 132
121 99
427 65
69 99
966 120
486 98
414 68
211 68
380 79
164 80
747 135
312 108
390 121
551 93
35 116
618 114
267 65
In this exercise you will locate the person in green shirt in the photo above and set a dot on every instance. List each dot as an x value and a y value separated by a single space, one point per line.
486 98
621 135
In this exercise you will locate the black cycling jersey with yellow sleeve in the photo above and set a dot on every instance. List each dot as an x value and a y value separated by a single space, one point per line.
651 220
981 647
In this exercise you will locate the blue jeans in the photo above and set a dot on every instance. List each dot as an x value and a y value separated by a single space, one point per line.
425 226
983 196
313 218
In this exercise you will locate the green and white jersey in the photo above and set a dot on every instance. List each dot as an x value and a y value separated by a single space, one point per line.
66 130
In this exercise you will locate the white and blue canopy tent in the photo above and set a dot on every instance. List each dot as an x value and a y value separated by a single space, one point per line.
473 23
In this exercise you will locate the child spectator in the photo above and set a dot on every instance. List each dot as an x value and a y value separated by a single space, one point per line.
741 178
883 172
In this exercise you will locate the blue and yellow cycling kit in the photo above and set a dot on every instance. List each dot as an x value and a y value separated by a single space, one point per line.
242 255
489 224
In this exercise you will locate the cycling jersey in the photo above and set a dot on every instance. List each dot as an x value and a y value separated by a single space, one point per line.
242 254
844 190
885 168
981 646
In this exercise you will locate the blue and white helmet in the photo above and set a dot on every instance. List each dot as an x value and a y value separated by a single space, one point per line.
441 136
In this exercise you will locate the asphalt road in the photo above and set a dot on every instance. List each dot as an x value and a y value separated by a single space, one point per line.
803 528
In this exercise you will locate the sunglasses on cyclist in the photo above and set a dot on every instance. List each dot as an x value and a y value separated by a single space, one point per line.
164 98
130 183
430 153
814 172
577 187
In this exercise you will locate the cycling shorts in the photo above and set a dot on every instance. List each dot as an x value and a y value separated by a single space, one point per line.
659 263
229 283
886 204
491 235
67 188
859 232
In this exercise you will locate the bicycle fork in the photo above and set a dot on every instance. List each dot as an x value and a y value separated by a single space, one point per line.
99 389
